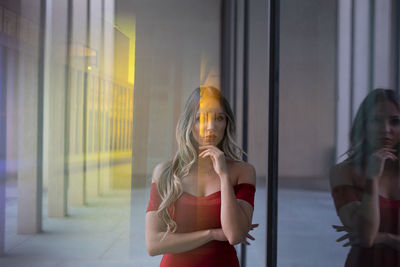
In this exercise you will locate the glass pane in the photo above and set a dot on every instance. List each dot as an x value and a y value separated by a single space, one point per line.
307 135
91 94
332 56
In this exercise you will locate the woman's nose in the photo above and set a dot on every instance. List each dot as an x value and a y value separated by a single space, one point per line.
387 126
210 122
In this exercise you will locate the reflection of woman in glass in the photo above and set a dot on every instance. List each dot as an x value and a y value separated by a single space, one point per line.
366 186
201 202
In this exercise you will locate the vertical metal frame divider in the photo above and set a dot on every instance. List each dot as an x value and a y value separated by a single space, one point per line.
352 61
245 101
40 109
396 22
227 53
273 134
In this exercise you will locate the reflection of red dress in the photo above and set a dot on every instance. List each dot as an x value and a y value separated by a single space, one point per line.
199 213
377 255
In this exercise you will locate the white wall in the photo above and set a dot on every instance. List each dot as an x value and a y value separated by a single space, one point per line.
258 86
307 88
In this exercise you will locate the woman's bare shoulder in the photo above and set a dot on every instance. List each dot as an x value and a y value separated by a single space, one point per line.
342 174
158 170
244 171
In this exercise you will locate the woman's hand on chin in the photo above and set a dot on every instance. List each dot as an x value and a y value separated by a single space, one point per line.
376 162
217 158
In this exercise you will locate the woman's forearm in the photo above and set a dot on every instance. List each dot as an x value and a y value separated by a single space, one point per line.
233 219
161 243
367 215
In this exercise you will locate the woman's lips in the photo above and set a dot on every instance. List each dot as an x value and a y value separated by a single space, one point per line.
210 138
386 140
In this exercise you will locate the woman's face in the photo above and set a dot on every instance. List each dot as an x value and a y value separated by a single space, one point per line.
383 127
209 128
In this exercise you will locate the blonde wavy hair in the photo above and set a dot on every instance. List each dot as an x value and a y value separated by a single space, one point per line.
169 184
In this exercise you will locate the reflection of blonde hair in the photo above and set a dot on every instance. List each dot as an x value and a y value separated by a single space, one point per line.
170 185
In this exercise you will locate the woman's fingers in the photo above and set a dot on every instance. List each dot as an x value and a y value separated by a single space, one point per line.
386 154
207 148
253 226
393 156
354 242
338 227
211 148
203 153
341 228
386 149
376 163
249 236
347 244
352 238
343 237
245 242
206 153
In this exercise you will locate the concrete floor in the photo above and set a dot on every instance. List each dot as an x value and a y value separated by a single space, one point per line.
109 231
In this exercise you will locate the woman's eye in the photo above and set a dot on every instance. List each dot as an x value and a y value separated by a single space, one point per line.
220 118
395 121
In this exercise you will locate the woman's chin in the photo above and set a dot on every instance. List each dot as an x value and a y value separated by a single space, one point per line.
379 145
389 145
209 142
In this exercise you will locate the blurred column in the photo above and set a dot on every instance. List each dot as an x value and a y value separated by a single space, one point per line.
55 107
94 18
106 70
344 76
141 105
77 165
30 126
95 43
361 52
366 44
91 171
354 65
12 114
384 45
8 74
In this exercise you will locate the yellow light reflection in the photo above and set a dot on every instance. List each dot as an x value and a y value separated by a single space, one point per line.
132 45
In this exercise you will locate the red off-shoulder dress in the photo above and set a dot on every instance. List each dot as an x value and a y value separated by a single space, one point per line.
377 255
199 213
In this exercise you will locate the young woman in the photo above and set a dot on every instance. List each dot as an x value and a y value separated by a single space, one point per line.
201 202
366 186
